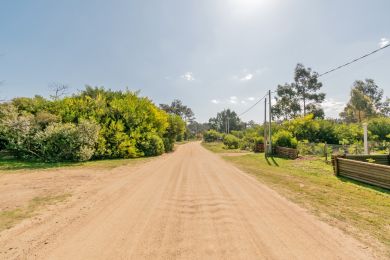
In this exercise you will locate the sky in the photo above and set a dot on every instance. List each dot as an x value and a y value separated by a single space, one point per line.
211 54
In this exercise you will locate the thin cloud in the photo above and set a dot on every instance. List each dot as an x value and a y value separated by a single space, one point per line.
189 76
251 98
384 42
233 100
332 107
247 77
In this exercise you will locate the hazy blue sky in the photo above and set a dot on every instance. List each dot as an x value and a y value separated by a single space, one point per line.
211 54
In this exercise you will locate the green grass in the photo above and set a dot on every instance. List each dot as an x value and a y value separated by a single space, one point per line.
354 207
10 164
9 218
220 148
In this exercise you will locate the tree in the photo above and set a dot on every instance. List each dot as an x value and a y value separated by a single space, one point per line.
59 90
359 107
226 119
300 96
196 128
177 108
306 86
287 104
371 90
385 110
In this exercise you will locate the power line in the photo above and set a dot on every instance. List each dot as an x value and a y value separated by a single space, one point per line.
327 72
353 61
257 102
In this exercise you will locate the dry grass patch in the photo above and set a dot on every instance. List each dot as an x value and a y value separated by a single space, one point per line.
8 218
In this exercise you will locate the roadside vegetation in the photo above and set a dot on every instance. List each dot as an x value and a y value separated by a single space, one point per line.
299 120
92 124
356 208
309 135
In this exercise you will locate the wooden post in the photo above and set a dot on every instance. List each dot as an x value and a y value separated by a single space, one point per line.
326 152
336 165
365 138
265 128
270 122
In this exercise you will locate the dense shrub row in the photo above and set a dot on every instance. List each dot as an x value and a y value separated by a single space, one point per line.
307 130
96 123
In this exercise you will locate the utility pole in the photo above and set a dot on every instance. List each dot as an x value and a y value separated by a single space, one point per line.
365 138
265 127
270 123
228 125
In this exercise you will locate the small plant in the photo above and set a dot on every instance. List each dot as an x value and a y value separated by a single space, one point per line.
285 139
370 160
304 147
231 142
211 136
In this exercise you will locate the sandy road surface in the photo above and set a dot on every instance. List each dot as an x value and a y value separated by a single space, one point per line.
187 205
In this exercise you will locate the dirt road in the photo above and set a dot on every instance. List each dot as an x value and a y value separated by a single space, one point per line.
190 204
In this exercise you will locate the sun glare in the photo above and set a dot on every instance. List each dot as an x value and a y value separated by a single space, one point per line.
246 7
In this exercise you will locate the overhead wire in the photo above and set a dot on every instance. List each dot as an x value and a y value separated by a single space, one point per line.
354 60
257 102
327 72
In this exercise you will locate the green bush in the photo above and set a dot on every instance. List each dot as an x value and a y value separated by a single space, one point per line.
130 126
380 128
238 134
57 142
168 144
349 132
67 142
174 132
231 142
153 145
211 136
252 143
284 138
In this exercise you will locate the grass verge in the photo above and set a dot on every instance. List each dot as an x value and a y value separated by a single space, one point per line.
356 208
9 218
10 164
218 147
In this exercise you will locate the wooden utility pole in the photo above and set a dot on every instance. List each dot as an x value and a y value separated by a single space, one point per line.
226 127
265 127
365 139
270 122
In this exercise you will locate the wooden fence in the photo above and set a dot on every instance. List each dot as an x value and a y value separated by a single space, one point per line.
286 152
383 159
371 173
259 148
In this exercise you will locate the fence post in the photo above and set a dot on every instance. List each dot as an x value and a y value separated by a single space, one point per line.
388 158
336 165
326 152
